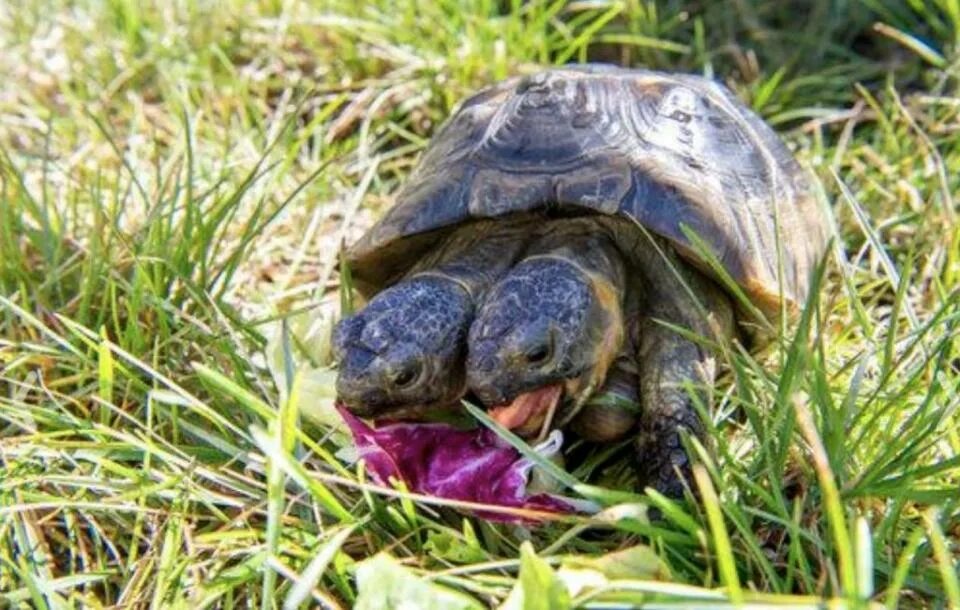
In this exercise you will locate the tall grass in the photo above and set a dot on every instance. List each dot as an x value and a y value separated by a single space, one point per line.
176 180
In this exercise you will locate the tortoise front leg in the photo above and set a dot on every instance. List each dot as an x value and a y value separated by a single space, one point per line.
669 362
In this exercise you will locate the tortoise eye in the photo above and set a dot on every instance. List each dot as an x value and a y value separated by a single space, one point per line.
680 116
405 376
538 354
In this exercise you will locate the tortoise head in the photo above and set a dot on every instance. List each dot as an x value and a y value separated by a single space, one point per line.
547 324
402 355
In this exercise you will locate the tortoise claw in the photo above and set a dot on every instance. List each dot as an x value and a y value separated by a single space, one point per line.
662 461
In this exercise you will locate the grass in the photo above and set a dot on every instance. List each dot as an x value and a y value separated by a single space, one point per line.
176 179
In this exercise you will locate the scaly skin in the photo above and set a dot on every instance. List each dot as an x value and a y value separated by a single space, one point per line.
403 354
556 317
669 363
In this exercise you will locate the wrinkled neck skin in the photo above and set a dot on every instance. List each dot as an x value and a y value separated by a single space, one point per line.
402 356
565 298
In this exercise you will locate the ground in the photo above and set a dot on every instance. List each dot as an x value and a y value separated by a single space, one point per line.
177 177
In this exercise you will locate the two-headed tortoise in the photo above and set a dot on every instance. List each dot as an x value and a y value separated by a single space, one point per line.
626 196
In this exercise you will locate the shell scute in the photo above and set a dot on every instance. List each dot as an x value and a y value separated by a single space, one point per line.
664 150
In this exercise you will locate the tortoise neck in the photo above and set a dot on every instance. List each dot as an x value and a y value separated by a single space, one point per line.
476 255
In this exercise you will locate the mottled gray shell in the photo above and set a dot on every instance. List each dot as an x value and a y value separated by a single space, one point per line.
664 149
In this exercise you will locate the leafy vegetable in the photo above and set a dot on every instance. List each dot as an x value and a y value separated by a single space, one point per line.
538 587
384 584
441 460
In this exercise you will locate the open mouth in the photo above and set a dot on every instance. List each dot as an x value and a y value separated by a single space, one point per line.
531 413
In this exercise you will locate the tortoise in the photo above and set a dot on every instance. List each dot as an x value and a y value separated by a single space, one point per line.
585 311
649 189
402 356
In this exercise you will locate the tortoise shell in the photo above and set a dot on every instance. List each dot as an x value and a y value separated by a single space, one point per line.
666 150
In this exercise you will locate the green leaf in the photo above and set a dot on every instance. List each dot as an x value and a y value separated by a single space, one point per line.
539 587
384 584
309 336
636 562
447 546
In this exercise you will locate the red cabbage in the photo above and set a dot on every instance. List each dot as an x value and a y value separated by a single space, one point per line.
440 460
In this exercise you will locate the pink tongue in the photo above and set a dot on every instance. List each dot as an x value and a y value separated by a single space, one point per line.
440 460
528 410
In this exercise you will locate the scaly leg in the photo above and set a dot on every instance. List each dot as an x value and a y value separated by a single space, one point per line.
668 363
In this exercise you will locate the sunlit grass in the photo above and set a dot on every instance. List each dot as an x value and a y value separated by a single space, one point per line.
176 179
